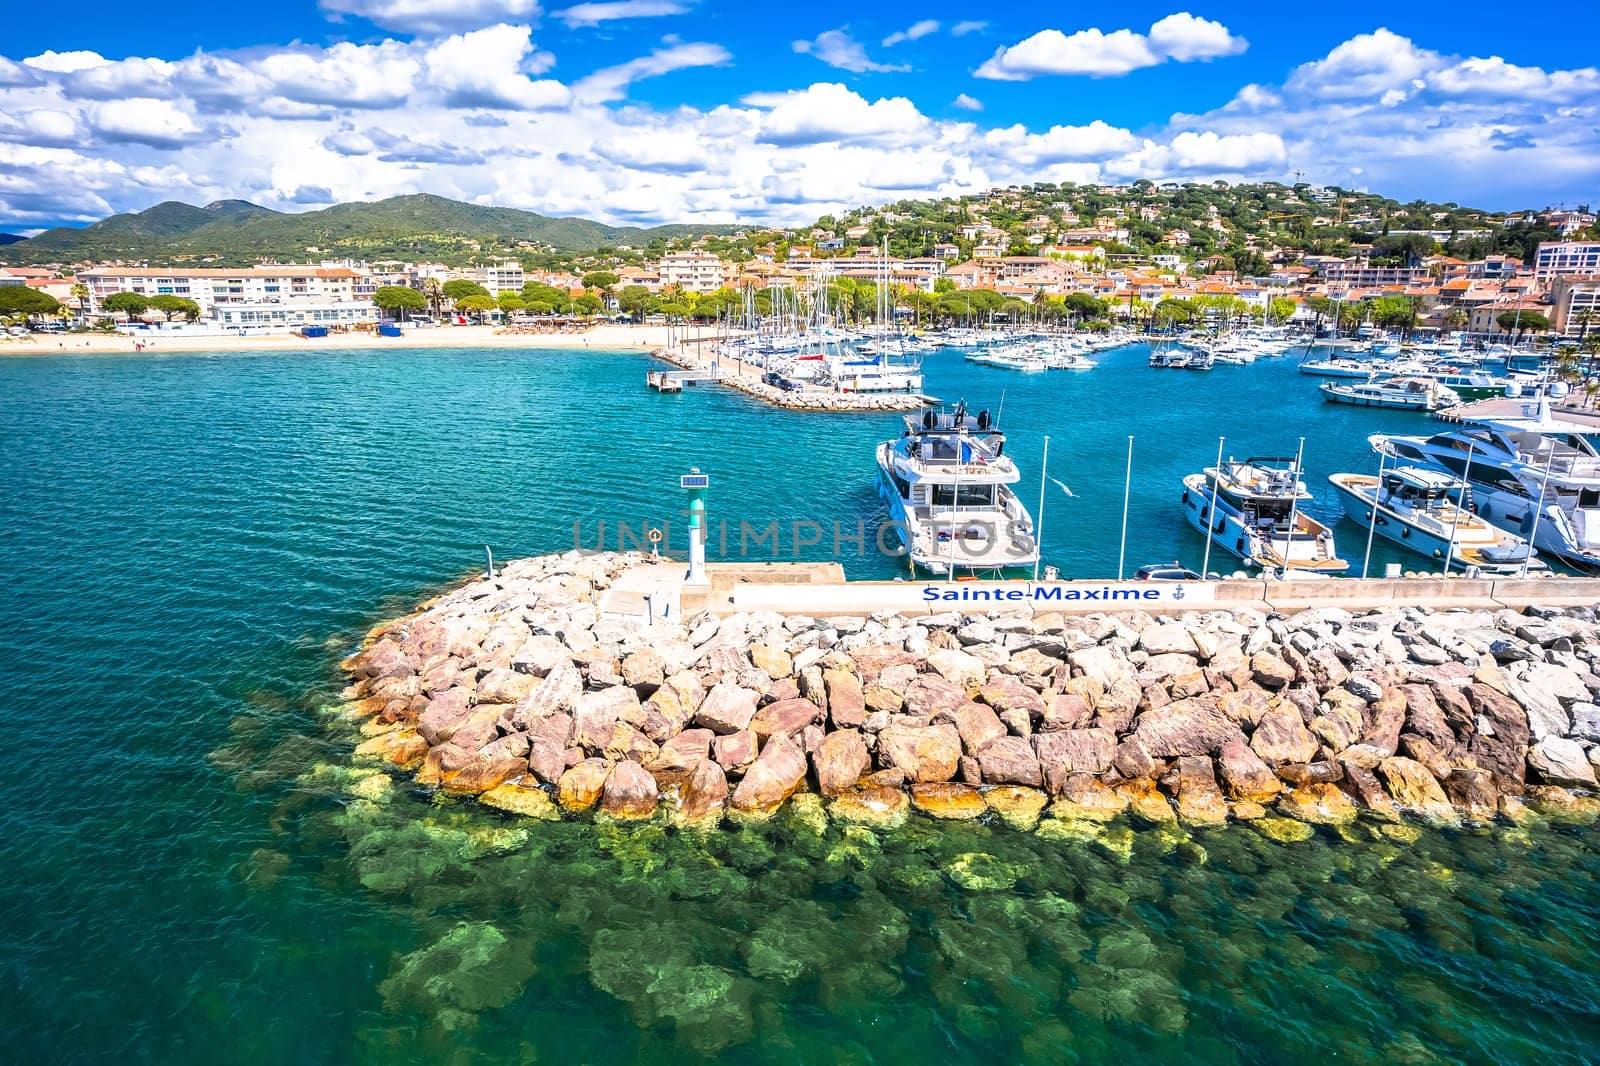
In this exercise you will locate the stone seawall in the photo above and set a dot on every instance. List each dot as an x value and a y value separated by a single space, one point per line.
518 690
752 385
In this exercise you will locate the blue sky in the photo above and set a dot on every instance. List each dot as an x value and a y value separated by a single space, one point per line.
660 110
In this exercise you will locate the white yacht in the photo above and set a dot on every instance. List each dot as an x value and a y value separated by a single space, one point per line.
1406 394
1254 508
1432 513
1336 367
947 481
1543 487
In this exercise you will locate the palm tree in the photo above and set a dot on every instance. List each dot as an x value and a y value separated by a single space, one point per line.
80 296
433 292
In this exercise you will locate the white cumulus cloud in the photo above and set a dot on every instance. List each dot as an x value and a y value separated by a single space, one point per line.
489 68
833 113
1181 38
141 120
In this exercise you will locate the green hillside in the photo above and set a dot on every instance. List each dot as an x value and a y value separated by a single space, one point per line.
409 227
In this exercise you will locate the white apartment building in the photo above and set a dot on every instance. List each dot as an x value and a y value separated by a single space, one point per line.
502 277
1557 259
1575 306
275 295
692 271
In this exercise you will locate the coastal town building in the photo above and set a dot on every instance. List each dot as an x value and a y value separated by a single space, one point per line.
273 295
1575 306
1556 259
692 271
502 277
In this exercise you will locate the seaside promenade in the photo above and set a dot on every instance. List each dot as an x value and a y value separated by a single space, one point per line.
604 337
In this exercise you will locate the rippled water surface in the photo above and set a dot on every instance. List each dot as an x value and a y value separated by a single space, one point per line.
193 870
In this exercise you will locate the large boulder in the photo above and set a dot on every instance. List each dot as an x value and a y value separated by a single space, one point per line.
1426 718
876 805
1005 693
443 714
672 705
1168 638
483 772
705 793
734 751
839 761
1412 787
1503 746
1385 720
1559 761
772 778
557 693
1271 671
1105 664
1187 727
1282 737
772 659
947 800
846 706
1017 806
1084 797
479 728
580 786
505 685
1541 688
931 694
784 718
1071 751
384 659
599 712
1200 801
925 753
1473 792
1244 775
961 669
685 751
1010 761
629 793
978 725
727 708
1318 804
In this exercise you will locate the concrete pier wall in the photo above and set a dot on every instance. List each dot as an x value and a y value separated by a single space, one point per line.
1085 597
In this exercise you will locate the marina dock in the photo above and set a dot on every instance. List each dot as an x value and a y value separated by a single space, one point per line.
675 380
1504 408
748 378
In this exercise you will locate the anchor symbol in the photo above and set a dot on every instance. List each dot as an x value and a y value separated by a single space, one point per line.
1177 593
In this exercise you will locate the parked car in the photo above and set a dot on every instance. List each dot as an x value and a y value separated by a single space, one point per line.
1173 571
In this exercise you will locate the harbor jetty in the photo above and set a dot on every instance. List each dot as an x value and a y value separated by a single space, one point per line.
543 690
750 380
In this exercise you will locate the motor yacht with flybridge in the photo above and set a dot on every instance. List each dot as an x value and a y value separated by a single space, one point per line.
947 481
1511 468
1255 508
1433 514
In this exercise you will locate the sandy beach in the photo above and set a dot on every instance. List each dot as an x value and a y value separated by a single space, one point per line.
609 337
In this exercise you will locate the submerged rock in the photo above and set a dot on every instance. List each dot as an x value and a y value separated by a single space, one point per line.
877 805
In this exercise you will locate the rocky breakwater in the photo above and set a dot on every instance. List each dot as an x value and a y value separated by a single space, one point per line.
810 399
517 690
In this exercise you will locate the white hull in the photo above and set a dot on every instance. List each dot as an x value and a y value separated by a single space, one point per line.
1230 531
1464 551
963 540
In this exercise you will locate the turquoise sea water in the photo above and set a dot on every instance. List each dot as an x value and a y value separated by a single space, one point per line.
194 872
